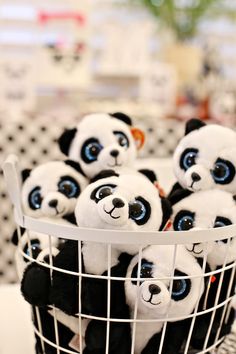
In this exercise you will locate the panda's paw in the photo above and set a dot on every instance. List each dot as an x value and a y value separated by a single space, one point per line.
35 285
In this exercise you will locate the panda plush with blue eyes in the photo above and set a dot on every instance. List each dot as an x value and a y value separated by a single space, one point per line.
102 141
111 201
155 299
203 210
52 189
205 158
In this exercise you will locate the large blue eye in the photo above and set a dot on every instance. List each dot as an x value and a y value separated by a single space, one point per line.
33 250
221 221
223 172
35 199
181 287
122 139
90 150
184 221
139 211
145 271
188 158
69 187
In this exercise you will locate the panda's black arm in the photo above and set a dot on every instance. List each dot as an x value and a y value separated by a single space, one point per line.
35 285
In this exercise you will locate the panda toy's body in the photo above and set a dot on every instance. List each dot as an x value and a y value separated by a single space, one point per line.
51 189
205 158
204 210
128 202
155 300
102 141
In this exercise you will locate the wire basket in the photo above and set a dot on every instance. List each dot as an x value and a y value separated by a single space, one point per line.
218 315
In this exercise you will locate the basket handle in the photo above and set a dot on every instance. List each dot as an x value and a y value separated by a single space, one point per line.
12 178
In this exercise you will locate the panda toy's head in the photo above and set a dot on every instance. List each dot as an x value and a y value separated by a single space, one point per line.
101 141
123 202
205 158
51 189
155 299
35 245
204 210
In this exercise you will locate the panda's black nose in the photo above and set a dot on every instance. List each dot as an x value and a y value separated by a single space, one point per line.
53 203
195 177
114 153
154 289
118 203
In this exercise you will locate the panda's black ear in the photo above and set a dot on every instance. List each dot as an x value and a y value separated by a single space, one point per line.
234 198
65 140
121 116
150 174
167 211
193 124
25 174
75 165
14 238
104 174
176 195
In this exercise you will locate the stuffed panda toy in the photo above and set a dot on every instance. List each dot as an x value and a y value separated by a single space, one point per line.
51 189
102 141
112 201
205 158
155 300
204 210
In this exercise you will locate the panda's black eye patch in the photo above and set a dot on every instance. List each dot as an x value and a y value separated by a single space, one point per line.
69 187
35 198
184 220
139 211
145 271
90 150
223 172
221 221
122 139
102 192
33 249
181 287
188 158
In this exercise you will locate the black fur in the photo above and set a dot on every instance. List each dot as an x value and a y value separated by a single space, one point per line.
193 124
149 174
25 174
14 238
123 117
65 140
177 194
75 165
104 174
167 211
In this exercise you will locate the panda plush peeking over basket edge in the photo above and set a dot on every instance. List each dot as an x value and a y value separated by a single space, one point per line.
102 141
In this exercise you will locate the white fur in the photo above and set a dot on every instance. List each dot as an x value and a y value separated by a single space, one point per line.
162 305
92 215
102 126
213 142
47 177
207 205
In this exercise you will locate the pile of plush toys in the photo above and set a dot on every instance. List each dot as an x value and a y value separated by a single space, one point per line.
98 187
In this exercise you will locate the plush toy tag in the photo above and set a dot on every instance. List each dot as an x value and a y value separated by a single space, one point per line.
167 226
213 279
139 137
75 342
160 189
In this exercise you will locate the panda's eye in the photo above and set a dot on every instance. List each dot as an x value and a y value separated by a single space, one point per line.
145 271
223 172
139 211
33 250
69 187
181 287
122 139
188 158
221 221
102 192
90 150
35 198
184 221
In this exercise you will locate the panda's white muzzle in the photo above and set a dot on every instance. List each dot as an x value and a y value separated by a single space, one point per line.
114 210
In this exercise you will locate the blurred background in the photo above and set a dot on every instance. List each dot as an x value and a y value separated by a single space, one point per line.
159 61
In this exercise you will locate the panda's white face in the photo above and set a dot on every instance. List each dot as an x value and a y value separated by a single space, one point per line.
102 142
51 190
126 202
206 158
203 210
154 297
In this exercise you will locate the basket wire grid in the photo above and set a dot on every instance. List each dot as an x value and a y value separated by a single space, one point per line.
110 239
